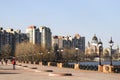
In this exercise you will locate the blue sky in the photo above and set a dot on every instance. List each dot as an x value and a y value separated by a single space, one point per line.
65 17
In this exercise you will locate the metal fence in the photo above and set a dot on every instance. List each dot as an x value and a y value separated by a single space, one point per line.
116 69
66 65
89 67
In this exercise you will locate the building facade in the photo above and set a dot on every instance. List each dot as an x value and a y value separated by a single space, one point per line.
78 42
10 37
41 35
69 42
33 34
46 37
93 49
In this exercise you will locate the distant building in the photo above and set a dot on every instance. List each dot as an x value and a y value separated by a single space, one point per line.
33 34
57 40
11 37
46 37
78 42
92 48
69 42
41 35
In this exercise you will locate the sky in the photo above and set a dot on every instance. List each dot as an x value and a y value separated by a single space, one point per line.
65 17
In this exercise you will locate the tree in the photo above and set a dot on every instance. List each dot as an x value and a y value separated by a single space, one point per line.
106 54
6 51
26 51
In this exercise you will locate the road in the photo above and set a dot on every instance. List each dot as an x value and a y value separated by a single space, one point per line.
43 73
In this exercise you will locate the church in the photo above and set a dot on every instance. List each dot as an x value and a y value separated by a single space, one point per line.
92 48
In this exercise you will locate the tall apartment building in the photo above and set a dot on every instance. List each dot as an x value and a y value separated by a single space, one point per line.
31 34
41 35
34 34
11 37
57 40
69 42
46 37
2 41
78 42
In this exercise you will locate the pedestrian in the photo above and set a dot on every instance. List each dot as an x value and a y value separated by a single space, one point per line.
14 63
2 61
6 61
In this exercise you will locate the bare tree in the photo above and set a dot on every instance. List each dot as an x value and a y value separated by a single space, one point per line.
6 51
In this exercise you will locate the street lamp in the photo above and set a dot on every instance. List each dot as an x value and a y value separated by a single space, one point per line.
61 55
41 56
48 56
100 50
76 54
57 56
111 44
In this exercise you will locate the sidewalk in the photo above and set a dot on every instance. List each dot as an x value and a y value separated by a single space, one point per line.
25 73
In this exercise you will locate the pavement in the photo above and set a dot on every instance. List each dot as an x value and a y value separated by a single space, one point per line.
39 72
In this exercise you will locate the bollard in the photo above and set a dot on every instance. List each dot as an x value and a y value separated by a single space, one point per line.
76 66
100 68
49 63
59 65
34 63
40 63
107 68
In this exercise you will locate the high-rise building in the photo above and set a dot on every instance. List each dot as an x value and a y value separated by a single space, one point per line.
69 42
46 37
41 35
78 42
11 37
31 34
34 34
57 40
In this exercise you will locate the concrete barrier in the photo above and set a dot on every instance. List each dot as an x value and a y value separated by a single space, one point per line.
76 66
107 68
100 68
40 63
49 63
59 65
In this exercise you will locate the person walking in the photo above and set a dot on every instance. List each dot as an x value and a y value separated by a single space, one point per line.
14 63
6 61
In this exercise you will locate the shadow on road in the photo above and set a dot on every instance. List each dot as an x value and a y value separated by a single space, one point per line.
8 73
9 69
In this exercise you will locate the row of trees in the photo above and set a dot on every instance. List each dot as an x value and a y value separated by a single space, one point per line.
5 51
29 52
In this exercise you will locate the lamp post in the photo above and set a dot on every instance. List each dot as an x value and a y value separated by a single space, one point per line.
100 50
61 55
41 56
57 56
76 54
48 56
111 44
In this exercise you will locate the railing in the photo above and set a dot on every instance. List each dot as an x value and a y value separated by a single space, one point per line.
53 64
44 63
89 67
116 69
83 67
66 65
